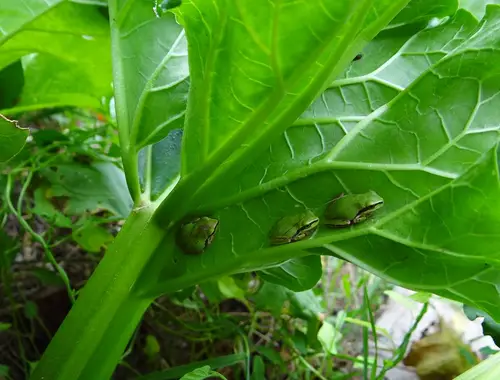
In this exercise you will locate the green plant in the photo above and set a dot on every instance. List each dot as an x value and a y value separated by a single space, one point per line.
270 117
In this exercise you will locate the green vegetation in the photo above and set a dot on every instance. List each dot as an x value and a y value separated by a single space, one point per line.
181 175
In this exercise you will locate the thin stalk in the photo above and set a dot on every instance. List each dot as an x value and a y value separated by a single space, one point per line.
129 153
48 253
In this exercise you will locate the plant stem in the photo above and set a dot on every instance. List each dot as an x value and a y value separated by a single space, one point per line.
96 331
48 253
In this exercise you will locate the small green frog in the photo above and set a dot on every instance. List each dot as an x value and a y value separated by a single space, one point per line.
346 210
294 228
195 236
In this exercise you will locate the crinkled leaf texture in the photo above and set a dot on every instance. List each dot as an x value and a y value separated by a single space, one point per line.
419 126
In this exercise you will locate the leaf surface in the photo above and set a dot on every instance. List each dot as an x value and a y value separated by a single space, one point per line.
425 147
60 40
12 138
151 77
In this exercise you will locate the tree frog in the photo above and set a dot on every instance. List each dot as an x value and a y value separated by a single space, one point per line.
196 235
294 228
346 210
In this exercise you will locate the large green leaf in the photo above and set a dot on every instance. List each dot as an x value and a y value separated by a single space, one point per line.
152 103
250 80
246 162
87 188
437 229
60 40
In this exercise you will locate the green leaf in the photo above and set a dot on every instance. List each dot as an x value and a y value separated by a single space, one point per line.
303 305
258 369
153 103
4 370
30 309
230 289
490 327
159 164
177 372
329 337
488 369
266 81
90 187
11 84
419 11
271 354
47 277
295 274
7 248
12 138
4 326
151 347
201 373
92 237
420 152
477 7
45 208
271 297
60 40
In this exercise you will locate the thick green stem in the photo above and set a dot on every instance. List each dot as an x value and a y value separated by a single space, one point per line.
95 333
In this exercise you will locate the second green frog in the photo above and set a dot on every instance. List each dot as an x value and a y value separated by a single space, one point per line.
350 209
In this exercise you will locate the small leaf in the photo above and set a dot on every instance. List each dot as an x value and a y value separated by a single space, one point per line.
47 277
258 369
201 373
8 254
421 297
151 347
30 309
92 237
305 305
90 187
4 326
490 327
270 354
271 297
297 274
45 208
228 287
12 138
4 370
329 337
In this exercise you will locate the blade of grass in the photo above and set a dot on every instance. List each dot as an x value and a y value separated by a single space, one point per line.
401 350
374 333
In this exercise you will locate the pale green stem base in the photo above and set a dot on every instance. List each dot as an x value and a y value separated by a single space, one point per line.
95 333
